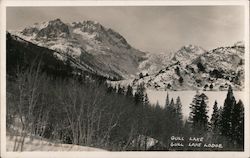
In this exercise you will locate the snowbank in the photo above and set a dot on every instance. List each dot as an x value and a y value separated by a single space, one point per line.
44 145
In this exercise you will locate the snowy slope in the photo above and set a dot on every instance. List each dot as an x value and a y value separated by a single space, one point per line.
193 68
155 62
37 144
102 49
187 54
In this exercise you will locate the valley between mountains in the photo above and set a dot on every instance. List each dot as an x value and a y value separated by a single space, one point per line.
91 47
81 86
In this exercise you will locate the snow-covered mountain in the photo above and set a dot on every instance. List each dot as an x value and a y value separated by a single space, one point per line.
156 62
187 54
192 67
100 49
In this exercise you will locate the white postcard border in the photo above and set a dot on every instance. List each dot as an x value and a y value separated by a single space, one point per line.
193 154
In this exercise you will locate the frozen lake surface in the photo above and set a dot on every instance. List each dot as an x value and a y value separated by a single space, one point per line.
187 97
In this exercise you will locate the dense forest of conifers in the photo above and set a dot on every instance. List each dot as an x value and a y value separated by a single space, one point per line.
46 99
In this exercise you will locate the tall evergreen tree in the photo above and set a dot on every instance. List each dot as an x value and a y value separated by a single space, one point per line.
157 105
220 118
179 109
201 114
129 92
215 118
238 124
114 89
167 101
193 107
146 100
139 94
120 90
178 114
220 112
198 115
171 113
110 89
171 108
226 116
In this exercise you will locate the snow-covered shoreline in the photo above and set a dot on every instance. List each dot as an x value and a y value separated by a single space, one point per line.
37 144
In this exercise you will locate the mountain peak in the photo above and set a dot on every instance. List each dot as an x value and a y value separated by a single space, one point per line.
95 46
239 44
188 53
87 23
49 29
91 22
191 48
56 21
89 26
101 33
53 29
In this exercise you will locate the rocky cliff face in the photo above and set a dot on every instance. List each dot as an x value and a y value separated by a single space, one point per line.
101 49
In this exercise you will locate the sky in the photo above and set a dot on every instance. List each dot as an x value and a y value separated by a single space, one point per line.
154 29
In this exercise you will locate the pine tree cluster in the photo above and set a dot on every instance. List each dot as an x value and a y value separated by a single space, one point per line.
226 123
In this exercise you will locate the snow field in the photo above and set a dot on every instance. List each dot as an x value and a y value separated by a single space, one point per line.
38 144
